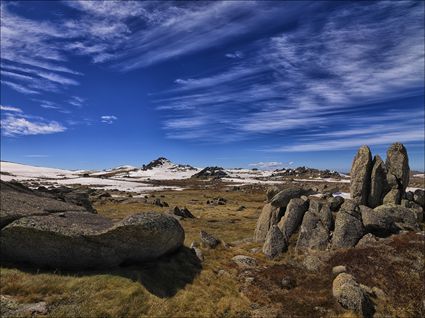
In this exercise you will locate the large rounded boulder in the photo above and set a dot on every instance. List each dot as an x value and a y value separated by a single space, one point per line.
348 226
282 198
388 219
83 240
17 201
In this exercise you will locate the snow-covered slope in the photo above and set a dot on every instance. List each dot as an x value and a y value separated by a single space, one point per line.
137 179
17 171
106 179
162 169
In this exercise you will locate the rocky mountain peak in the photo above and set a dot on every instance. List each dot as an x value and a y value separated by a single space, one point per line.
157 163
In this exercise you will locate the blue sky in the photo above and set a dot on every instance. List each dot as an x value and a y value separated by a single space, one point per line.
235 83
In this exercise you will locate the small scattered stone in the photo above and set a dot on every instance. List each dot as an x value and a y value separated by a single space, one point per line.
288 283
339 269
208 240
244 261
222 272
378 292
350 295
312 263
198 253
249 280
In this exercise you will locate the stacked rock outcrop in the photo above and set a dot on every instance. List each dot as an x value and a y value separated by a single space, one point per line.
378 207
373 182
274 210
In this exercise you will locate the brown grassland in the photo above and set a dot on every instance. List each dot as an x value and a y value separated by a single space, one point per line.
180 286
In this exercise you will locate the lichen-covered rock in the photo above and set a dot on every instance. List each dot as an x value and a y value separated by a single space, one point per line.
270 215
350 295
83 240
388 219
208 240
419 197
415 207
397 166
313 234
313 263
244 261
79 196
367 240
323 211
11 308
392 197
339 269
183 213
275 243
17 201
293 217
348 226
282 199
360 175
271 192
378 182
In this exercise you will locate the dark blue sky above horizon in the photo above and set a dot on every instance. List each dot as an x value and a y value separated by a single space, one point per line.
93 84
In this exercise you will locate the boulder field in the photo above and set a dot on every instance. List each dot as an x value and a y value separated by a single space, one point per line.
48 232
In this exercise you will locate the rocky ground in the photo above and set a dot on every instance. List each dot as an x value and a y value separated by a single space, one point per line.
248 250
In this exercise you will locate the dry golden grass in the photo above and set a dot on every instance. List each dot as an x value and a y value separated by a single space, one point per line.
221 220
175 286
179 286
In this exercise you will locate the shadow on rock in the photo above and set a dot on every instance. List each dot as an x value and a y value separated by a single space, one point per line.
163 277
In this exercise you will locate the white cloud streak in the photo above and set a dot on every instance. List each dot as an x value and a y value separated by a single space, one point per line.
270 165
10 109
108 119
15 125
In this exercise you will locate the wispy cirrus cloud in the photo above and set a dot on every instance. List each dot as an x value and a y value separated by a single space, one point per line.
176 29
36 156
76 101
308 81
10 109
235 55
33 60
